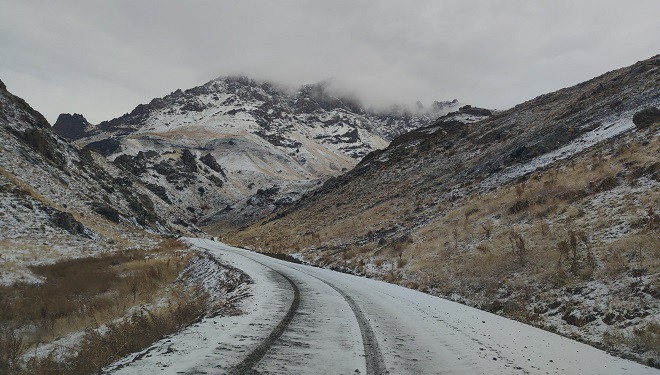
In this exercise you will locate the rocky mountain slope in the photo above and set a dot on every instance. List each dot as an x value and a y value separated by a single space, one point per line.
233 149
57 201
546 213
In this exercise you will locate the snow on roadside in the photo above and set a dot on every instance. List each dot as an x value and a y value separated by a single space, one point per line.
220 339
223 284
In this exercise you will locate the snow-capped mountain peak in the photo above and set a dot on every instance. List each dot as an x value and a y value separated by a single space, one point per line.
264 137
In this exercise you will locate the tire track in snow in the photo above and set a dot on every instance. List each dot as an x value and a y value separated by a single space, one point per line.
372 353
252 359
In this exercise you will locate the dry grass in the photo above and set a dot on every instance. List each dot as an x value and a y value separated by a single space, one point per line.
77 294
644 340
12 348
130 335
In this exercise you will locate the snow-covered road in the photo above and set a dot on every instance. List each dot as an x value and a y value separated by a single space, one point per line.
306 320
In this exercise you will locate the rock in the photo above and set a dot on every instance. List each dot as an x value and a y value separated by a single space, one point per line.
107 212
495 306
610 318
189 160
210 161
216 180
268 192
193 106
646 117
66 221
104 147
554 305
475 111
576 318
135 164
164 168
143 208
160 192
42 142
71 126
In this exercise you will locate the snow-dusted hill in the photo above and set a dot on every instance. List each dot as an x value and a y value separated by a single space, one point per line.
57 201
233 149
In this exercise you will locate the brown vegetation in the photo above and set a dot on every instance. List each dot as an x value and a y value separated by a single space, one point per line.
83 294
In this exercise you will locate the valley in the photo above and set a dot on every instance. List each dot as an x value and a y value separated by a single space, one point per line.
464 236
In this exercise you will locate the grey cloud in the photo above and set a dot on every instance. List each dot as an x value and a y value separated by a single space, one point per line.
101 58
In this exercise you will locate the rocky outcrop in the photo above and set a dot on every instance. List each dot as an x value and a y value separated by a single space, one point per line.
647 117
65 220
105 147
71 126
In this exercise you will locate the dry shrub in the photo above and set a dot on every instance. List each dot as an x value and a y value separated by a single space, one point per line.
544 228
11 350
484 247
101 348
469 212
487 226
513 309
641 252
556 277
653 219
615 263
519 206
326 258
645 340
520 190
351 252
392 277
79 293
518 245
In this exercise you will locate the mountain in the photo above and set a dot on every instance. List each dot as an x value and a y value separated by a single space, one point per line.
546 213
234 149
57 201
71 126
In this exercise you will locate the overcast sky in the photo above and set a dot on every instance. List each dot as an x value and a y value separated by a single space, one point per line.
101 58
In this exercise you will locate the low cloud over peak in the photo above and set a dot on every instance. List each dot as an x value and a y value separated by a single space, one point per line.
102 58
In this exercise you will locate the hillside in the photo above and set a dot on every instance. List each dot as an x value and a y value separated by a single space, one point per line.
61 202
234 149
89 271
546 213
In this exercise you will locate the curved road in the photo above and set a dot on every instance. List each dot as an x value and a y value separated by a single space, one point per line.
306 320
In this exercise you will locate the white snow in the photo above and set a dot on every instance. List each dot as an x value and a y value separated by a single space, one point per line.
417 333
